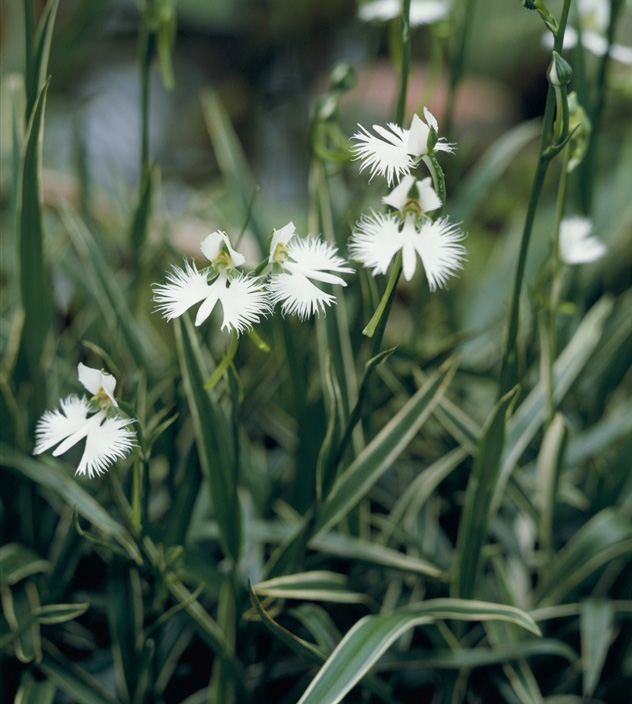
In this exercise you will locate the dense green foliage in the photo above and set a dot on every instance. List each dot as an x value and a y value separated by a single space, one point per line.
312 514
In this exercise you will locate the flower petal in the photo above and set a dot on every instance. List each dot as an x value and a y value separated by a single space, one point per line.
311 255
244 301
95 380
105 443
212 245
186 287
281 236
213 293
418 137
428 198
375 241
577 246
398 197
55 426
387 157
438 246
298 295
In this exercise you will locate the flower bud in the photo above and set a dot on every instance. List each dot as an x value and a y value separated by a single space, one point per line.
343 77
560 72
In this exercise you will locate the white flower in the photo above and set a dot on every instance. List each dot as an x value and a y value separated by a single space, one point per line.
107 437
243 298
378 238
577 245
423 197
302 259
394 150
421 11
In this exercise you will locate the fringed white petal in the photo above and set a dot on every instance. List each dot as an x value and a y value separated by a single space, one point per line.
437 243
298 295
311 256
577 245
95 380
55 426
375 241
106 442
244 301
386 155
184 289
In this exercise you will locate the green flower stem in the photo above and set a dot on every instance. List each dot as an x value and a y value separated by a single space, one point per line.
147 50
377 324
556 284
403 86
587 168
136 490
457 63
509 370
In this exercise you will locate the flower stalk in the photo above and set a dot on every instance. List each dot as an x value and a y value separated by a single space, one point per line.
509 369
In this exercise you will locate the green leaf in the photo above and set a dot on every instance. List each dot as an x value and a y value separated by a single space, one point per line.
380 454
531 413
318 585
326 465
476 516
231 159
549 465
78 685
47 473
596 621
18 562
142 213
32 691
364 644
31 265
144 346
474 188
36 76
212 438
18 605
470 658
606 536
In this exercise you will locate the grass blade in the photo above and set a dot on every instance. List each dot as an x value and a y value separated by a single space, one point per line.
476 512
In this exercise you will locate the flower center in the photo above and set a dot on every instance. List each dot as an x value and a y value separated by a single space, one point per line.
280 254
222 261
412 207
101 399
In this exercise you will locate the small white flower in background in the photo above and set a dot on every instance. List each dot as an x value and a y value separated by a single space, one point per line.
107 435
421 11
244 299
423 198
297 260
577 245
394 151
378 238
594 16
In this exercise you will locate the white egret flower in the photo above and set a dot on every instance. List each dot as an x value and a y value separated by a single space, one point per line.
594 16
394 151
577 245
422 197
421 11
378 238
107 436
299 261
243 298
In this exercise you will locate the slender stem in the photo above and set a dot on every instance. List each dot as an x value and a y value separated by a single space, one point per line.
556 282
403 86
508 374
457 64
147 48
377 324
596 115
136 490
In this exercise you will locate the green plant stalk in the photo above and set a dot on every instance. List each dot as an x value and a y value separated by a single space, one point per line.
377 324
508 374
29 68
137 482
587 173
457 64
556 284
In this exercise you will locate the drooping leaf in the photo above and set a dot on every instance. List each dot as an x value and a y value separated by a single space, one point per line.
596 621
